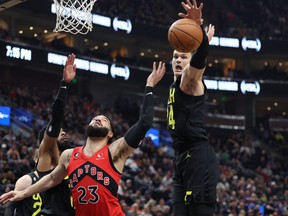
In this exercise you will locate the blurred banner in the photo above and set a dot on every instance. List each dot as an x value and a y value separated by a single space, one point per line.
154 133
5 115
22 116
42 59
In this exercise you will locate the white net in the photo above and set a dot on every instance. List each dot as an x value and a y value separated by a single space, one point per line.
74 16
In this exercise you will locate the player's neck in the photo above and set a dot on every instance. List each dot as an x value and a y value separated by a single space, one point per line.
94 145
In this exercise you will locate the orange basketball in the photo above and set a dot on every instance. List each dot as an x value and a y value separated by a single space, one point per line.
185 35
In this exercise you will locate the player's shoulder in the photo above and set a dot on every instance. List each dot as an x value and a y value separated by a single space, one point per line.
116 143
66 155
67 152
23 182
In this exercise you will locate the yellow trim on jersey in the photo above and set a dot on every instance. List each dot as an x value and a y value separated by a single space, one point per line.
188 193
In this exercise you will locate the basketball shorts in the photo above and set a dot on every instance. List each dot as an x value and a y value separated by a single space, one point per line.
195 176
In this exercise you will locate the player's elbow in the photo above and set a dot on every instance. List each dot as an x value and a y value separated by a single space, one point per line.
145 123
146 120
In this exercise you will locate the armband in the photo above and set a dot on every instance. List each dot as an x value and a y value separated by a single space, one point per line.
137 132
199 58
54 126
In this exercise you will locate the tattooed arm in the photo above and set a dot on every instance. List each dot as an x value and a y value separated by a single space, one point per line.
45 183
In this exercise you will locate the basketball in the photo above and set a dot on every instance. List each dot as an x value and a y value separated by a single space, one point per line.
184 35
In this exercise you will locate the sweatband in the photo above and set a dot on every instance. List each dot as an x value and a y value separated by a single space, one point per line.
199 58
54 126
62 92
137 132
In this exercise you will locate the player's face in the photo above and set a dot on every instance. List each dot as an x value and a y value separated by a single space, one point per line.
100 121
63 141
180 61
62 136
98 127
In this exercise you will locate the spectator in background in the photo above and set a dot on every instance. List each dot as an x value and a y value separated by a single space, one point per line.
10 137
13 154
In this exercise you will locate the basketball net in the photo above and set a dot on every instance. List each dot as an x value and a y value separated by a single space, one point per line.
74 16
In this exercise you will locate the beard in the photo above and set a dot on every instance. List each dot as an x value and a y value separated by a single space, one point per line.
63 145
96 132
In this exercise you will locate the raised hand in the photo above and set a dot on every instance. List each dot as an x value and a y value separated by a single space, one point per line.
157 74
69 71
193 11
210 31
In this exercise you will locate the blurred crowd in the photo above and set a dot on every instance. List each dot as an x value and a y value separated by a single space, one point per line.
150 12
253 174
270 22
253 165
268 72
231 18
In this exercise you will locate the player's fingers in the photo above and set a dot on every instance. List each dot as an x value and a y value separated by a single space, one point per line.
11 199
70 58
189 3
194 3
158 69
185 6
200 6
163 69
209 28
182 15
66 63
3 199
160 65
73 58
212 29
154 66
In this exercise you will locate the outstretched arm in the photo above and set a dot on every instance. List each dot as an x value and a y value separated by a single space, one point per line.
137 132
123 147
48 150
191 80
192 77
48 181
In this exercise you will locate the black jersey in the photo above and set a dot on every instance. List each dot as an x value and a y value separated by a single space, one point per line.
57 201
185 116
30 205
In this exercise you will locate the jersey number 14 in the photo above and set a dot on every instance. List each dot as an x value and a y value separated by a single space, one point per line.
170 111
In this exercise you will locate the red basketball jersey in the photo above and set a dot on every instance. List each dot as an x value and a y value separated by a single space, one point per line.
94 182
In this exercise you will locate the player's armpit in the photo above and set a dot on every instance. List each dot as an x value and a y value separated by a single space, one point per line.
120 151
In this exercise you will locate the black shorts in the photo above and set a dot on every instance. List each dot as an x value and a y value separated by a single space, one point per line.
196 174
